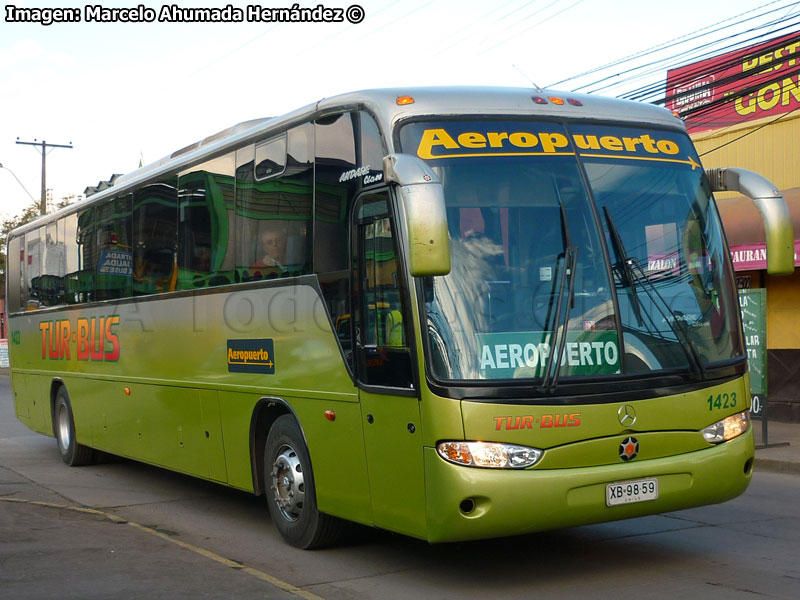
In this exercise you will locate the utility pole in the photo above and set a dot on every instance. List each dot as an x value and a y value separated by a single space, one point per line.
44 146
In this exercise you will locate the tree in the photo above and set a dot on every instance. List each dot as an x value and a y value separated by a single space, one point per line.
67 200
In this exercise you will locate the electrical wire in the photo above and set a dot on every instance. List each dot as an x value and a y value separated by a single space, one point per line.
678 40
744 135
480 20
682 57
516 35
656 94
692 65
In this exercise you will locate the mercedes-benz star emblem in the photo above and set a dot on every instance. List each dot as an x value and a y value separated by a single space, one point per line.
629 449
627 415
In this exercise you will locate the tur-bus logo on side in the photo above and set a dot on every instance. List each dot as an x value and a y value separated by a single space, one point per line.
91 338
251 356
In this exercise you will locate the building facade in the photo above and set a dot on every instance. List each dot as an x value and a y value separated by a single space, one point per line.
743 110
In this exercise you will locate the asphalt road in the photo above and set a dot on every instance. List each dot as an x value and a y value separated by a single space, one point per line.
126 530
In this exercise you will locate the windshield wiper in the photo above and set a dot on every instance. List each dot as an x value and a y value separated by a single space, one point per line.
678 326
626 267
560 323
623 265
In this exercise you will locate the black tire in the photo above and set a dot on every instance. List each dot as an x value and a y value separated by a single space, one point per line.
291 495
72 453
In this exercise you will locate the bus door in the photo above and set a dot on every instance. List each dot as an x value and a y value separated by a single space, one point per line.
389 402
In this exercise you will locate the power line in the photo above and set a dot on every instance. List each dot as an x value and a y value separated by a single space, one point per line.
696 68
681 57
348 28
656 92
480 19
678 40
694 65
519 33
744 135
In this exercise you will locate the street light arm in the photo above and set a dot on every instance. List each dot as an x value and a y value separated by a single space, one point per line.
2 166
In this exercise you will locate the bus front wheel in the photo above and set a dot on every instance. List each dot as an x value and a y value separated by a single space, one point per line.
72 453
291 496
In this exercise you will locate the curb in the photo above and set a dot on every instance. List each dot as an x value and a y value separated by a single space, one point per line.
777 466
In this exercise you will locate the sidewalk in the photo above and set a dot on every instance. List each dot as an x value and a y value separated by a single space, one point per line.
781 459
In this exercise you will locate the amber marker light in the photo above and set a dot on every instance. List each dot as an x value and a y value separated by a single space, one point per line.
403 100
491 455
127 391
330 415
555 100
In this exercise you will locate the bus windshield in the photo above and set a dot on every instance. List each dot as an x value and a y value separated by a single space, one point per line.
577 250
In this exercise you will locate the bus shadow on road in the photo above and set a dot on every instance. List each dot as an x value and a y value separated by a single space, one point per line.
555 558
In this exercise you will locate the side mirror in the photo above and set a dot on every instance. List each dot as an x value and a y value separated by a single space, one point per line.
771 205
426 219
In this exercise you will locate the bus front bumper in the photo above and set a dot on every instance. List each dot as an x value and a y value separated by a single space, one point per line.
465 503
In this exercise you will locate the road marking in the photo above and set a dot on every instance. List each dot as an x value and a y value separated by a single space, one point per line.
279 583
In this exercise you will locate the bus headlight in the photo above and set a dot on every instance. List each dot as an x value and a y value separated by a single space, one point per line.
727 429
493 455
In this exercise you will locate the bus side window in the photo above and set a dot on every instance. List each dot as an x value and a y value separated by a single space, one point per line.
79 280
114 266
51 282
274 194
16 271
155 232
335 155
205 207
34 249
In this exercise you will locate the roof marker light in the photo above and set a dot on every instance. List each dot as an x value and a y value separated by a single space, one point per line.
403 100
538 100
574 102
557 101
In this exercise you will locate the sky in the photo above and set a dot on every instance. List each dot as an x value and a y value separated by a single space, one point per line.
122 93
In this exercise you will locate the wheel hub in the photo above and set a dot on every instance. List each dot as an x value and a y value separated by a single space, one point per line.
63 428
288 485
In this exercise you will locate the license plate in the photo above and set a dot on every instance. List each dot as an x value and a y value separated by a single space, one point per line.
627 492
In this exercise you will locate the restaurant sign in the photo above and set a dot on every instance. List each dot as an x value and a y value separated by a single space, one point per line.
753 257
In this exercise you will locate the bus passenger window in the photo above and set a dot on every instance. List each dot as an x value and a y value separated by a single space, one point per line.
15 273
34 248
79 277
273 206
114 267
155 230
52 279
205 228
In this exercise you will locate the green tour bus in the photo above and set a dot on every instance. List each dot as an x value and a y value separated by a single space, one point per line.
453 313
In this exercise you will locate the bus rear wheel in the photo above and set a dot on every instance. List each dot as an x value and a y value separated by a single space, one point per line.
291 496
72 453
